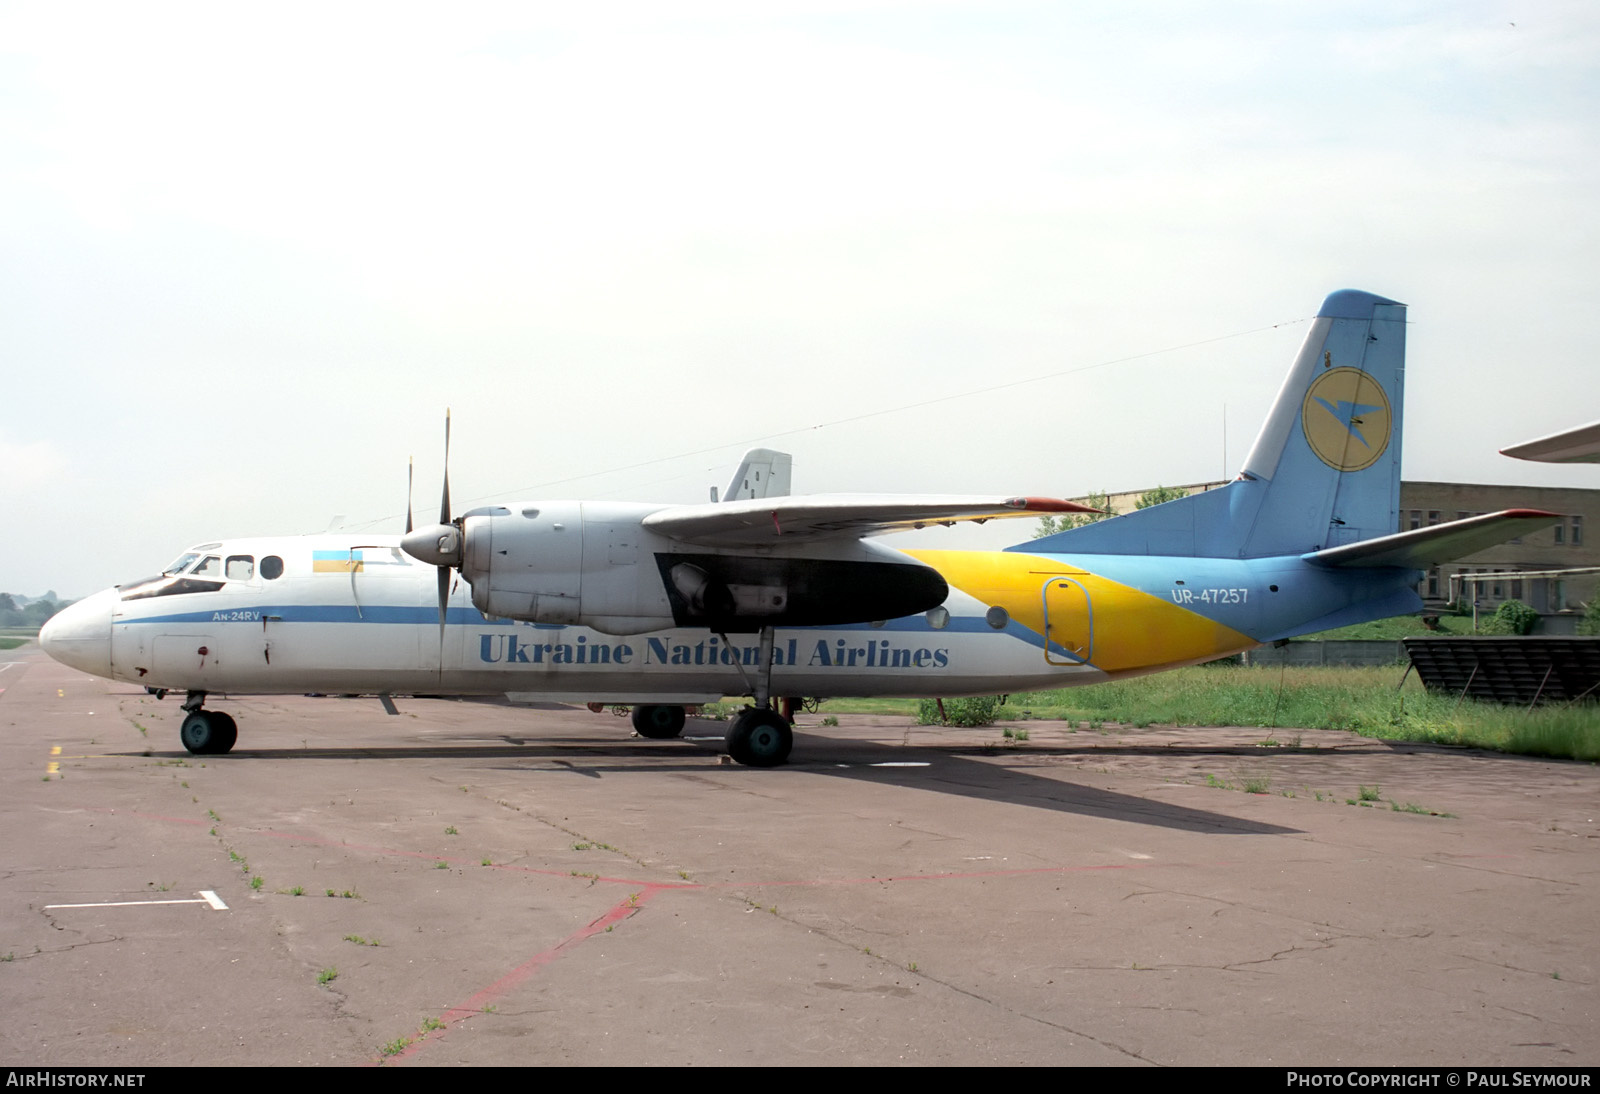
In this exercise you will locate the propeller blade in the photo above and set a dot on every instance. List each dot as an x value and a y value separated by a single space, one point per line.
444 503
444 597
411 474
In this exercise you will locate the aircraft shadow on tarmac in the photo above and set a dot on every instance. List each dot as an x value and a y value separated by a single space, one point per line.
964 771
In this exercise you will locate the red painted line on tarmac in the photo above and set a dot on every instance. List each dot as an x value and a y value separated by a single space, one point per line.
478 1000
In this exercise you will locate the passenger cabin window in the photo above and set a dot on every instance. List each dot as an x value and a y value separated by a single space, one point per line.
272 567
241 567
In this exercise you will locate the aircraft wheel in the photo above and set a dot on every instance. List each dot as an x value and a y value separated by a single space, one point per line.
203 731
225 730
760 737
658 722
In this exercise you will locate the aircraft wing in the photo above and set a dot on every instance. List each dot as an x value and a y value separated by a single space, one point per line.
1578 445
763 522
1423 547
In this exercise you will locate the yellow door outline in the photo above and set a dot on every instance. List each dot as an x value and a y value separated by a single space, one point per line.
1068 622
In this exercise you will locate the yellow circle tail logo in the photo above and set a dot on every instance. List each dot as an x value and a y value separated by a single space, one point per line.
1346 419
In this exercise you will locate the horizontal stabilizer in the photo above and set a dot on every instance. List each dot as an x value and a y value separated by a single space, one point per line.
1423 547
763 522
1577 445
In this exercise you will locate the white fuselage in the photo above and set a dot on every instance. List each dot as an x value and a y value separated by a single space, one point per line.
352 614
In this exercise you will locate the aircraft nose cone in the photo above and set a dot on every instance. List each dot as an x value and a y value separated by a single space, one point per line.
79 636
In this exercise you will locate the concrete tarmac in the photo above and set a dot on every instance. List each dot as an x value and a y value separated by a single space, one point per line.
471 883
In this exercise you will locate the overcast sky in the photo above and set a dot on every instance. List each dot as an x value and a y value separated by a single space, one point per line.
249 254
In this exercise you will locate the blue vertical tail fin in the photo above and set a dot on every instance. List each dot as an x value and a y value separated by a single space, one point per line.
1324 472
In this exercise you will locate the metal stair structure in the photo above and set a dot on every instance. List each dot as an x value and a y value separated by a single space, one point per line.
1520 671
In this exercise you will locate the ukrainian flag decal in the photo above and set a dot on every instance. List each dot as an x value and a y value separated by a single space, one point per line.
336 562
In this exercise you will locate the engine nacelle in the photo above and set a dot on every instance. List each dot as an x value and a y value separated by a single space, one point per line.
593 564
565 562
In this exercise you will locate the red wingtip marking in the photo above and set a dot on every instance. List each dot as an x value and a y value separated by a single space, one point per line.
1051 505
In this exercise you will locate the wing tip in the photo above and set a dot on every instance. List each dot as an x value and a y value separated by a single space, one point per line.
1050 505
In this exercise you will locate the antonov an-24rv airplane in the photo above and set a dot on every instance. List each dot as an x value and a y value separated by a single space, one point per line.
763 594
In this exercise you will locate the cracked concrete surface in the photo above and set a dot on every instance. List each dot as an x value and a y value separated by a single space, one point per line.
1083 898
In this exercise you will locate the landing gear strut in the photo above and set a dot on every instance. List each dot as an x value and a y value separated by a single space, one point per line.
206 732
760 737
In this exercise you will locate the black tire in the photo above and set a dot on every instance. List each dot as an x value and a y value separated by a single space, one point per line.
199 733
226 732
760 737
658 722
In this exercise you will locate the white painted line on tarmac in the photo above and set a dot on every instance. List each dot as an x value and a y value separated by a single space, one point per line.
902 763
206 897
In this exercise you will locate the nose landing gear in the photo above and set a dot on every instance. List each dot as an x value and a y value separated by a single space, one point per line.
206 732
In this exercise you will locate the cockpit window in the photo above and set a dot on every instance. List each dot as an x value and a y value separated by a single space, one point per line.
183 563
241 567
272 567
210 566
167 585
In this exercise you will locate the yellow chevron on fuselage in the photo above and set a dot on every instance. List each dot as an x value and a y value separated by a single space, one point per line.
1133 631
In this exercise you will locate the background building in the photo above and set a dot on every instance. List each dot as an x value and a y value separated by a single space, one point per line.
1565 545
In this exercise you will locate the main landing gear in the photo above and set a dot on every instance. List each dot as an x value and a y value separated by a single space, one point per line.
658 722
761 736
206 732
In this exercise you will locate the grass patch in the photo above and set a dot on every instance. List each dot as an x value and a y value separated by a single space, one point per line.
1404 626
12 643
1365 701
328 975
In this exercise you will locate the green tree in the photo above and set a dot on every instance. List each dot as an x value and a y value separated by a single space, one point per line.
1049 526
1159 495
1590 623
1512 617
